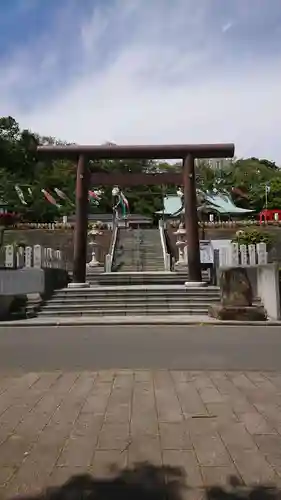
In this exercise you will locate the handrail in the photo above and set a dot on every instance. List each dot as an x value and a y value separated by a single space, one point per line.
109 257
166 255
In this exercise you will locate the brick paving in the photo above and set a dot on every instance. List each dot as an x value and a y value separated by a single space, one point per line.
211 424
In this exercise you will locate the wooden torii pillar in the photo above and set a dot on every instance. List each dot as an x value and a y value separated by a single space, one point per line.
186 152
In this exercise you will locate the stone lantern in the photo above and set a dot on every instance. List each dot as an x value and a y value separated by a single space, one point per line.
93 233
182 245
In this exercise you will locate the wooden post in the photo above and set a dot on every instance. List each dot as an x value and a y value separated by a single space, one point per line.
191 220
81 225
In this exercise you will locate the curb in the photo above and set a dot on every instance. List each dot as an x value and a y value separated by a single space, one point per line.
133 322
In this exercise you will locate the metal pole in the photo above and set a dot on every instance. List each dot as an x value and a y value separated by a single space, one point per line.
266 202
191 220
81 226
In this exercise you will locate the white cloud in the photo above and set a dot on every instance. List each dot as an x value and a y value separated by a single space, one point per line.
167 80
227 27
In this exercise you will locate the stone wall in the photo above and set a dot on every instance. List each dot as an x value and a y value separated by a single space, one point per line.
228 233
58 239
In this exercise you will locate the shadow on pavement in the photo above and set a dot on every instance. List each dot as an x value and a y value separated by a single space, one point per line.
148 482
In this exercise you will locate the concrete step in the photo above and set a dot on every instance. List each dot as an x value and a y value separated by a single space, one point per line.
130 279
123 312
147 274
134 266
125 300
148 288
163 306
130 301
143 262
136 291
127 283
134 300
141 299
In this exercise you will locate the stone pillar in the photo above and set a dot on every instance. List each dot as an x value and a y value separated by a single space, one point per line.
10 256
38 256
28 256
191 222
81 225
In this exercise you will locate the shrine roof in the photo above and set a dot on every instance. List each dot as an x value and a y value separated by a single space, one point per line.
218 203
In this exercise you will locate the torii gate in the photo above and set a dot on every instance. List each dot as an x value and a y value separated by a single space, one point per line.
186 152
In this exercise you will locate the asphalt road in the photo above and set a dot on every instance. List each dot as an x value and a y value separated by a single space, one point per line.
188 347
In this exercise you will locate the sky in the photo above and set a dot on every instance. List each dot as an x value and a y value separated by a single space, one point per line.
145 71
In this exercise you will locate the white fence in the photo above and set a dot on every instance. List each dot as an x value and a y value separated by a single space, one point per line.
32 257
225 254
243 255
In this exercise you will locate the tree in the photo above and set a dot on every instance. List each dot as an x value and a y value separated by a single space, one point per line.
274 193
244 179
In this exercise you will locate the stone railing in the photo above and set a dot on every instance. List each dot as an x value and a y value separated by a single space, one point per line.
31 257
48 226
166 255
229 224
110 255
52 226
172 240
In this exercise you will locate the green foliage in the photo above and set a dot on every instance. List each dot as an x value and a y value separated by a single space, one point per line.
250 236
251 176
18 165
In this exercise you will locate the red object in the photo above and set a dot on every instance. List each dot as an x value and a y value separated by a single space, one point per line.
269 215
8 218
93 194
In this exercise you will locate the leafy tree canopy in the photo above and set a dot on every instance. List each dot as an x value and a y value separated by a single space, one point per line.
245 179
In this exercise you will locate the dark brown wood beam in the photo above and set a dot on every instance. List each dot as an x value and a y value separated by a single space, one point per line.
81 226
136 179
191 221
156 152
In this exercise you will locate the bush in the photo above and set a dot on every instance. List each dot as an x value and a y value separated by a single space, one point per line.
251 236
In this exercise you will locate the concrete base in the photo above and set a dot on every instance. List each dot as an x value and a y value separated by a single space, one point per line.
195 284
180 263
237 313
93 263
78 285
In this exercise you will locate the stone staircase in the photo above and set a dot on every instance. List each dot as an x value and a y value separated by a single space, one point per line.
139 250
151 251
138 287
137 279
132 300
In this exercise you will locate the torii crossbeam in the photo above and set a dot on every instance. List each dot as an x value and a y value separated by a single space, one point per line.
186 152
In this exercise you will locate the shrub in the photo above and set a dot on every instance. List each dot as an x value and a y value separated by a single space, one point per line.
249 236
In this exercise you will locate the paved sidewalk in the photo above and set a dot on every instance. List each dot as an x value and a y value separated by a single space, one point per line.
212 424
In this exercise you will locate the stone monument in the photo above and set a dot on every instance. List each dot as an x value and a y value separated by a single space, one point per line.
236 298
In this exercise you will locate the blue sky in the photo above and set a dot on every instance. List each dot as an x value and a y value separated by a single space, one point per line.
145 71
